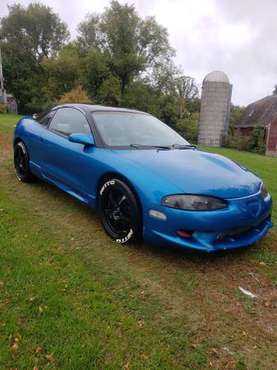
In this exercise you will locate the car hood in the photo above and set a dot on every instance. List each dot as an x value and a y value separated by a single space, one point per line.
196 172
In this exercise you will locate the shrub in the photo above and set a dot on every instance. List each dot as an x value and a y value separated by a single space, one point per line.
76 95
252 143
236 141
188 127
256 142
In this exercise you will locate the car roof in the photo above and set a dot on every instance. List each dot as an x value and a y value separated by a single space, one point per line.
98 108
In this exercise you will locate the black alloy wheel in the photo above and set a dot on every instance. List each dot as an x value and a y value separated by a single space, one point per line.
119 211
21 163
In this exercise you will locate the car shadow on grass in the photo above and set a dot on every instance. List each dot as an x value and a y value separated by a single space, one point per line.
168 253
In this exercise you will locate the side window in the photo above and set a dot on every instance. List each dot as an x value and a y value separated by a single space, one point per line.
46 118
69 121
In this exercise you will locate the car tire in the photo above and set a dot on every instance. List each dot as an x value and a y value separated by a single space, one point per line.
21 163
120 211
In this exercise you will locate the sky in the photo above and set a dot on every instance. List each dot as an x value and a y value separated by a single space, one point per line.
235 36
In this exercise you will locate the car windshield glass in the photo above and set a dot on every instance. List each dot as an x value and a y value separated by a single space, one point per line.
137 130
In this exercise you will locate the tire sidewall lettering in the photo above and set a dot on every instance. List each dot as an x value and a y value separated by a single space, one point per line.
106 185
129 234
126 238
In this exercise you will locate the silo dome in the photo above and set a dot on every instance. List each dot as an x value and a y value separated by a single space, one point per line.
217 76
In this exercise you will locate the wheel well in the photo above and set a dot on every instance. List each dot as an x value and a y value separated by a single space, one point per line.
18 140
110 175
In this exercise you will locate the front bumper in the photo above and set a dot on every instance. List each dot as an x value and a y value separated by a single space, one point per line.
245 221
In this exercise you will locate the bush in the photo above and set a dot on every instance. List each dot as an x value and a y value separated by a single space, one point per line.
236 141
256 142
253 143
3 108
188 127
76 95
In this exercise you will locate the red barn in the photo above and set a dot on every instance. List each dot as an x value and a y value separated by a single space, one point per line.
262 113
271 140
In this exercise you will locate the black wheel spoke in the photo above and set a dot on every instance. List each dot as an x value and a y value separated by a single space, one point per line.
20 162
124 219
116 211
121 200
112 199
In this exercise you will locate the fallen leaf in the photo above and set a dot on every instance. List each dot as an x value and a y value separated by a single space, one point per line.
14 347
49 357
38 349
215 352
141 323
126 366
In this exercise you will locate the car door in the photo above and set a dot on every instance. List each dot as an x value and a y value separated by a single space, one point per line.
66 163
36 131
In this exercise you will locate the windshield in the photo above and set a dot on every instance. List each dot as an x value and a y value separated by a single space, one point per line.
138 129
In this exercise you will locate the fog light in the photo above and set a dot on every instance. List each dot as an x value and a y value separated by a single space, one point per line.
157 214
184 234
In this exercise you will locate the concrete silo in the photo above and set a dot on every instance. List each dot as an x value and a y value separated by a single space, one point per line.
215 108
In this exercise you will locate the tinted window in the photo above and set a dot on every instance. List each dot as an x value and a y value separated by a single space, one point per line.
46 118
124 129
70 121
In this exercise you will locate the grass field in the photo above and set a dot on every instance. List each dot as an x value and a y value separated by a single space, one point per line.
72 299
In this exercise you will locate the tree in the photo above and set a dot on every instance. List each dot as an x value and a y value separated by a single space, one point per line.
27 36
236 113
188 127
63 71
109 92
76 95
186 90
132 44
36 29
142 96
94 71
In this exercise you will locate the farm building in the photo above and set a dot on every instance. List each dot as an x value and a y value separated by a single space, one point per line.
215 108
262 113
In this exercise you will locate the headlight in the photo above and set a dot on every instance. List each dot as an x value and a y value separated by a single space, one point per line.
264 191
194 202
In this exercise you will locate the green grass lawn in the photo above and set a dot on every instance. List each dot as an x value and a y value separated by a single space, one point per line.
7 122
70 298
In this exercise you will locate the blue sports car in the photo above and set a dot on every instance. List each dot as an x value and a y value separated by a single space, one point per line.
145 179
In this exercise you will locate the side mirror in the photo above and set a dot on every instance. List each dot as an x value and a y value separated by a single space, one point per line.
35 116
81 139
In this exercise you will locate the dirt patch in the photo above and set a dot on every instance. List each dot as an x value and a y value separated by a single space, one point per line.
5 146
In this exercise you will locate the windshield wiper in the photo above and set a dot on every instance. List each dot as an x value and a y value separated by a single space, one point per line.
185 146
142 146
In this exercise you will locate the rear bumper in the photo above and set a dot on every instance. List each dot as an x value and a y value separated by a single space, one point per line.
244 222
